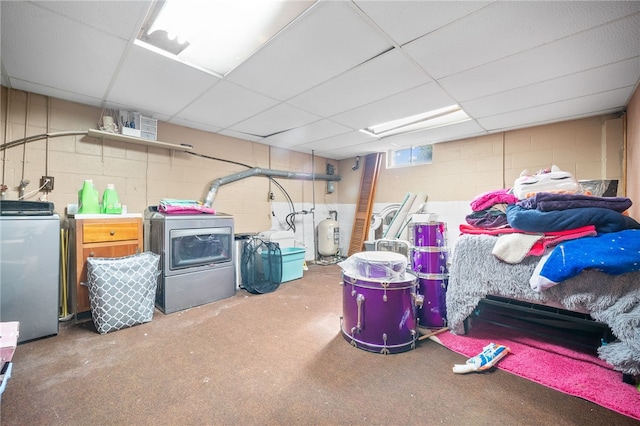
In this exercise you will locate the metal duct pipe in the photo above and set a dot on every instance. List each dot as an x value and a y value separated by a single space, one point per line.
257 171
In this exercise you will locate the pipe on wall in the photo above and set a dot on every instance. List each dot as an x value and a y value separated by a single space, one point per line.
257 171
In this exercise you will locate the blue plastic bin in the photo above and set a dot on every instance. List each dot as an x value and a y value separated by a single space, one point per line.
7 375
292 263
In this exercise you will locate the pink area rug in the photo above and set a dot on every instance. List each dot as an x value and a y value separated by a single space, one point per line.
556 365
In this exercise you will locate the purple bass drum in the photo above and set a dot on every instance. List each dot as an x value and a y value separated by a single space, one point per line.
432 291
428 234
379 316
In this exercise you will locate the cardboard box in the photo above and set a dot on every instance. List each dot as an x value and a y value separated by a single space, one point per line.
9 332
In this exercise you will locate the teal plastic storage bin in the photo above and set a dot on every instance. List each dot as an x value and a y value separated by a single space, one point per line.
292 263
6 372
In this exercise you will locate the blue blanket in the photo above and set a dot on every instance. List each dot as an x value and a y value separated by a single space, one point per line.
613 253
605 220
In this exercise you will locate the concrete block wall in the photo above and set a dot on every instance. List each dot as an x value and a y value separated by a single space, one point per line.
590 148
632 155
144 175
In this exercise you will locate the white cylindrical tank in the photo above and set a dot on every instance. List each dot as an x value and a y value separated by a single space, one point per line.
328 237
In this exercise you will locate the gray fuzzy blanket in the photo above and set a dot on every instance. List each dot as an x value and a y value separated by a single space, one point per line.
611 299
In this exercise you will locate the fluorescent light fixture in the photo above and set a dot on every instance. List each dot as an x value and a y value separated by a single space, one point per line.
427 120
215 35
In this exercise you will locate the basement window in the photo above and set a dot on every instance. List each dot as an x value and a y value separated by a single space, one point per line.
413 156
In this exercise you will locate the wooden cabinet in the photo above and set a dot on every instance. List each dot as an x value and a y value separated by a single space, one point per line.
109 237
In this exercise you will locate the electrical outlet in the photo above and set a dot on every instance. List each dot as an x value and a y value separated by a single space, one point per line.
46 183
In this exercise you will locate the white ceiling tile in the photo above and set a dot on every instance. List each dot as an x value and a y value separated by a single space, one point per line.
579 52
405 21
28 86
155 82
506 28
338 141
363 147
226 104
352 151
599 103
51 53
439 134
514 64
596 80
420 99
282 117
380 77
328 40
312 132
194 124
121 18
240 135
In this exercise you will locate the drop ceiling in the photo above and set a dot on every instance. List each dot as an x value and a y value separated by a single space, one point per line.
342 66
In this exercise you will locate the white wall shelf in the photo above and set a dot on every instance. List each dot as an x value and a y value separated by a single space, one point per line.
132 139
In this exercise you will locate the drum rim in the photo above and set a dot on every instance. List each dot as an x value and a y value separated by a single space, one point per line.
430 249
392 257
392 285
378 347
433 277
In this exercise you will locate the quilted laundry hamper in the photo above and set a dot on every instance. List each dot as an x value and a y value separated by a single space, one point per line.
122 290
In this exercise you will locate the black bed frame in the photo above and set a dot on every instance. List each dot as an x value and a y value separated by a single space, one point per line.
549 322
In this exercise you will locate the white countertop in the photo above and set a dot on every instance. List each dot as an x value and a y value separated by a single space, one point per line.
106 216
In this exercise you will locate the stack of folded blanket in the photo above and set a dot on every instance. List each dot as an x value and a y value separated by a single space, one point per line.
546 225
175 206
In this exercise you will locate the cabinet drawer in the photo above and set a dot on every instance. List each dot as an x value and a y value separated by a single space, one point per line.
110 231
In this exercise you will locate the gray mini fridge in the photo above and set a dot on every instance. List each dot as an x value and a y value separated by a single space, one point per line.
30 267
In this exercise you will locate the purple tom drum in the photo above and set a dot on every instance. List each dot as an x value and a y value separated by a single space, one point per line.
429 260
432 289
432 234
379 316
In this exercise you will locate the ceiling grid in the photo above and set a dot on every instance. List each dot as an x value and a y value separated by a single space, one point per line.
342 66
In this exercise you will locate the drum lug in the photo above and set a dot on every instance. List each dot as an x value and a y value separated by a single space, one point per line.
360 302
384 287
419 300
351 280
385 350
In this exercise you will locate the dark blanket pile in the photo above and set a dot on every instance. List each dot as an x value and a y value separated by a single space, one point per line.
549 201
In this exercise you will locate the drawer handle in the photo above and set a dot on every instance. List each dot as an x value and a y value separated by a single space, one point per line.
91 254
112 232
